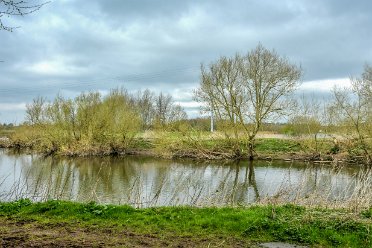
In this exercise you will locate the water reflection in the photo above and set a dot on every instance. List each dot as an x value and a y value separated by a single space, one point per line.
143 182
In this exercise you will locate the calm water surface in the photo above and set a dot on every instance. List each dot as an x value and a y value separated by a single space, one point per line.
143 181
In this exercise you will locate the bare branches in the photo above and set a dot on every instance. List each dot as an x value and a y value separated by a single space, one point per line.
247 90
268 78
353 109
16 8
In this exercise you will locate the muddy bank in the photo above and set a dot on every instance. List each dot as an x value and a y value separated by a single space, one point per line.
15 233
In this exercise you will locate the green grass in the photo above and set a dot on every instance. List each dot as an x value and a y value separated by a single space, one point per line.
141 143
288 223
175 141
277 145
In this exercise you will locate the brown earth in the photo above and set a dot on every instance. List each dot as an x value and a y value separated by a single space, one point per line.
18 233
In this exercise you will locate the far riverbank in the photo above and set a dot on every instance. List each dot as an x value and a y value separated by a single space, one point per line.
199 147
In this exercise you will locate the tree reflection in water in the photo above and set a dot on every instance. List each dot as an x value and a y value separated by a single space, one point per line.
143 181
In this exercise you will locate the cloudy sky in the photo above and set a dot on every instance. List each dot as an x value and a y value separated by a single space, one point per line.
70 46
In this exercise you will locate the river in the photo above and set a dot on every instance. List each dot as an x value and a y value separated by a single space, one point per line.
146 181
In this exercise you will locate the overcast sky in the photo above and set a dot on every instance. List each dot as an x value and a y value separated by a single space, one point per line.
70 46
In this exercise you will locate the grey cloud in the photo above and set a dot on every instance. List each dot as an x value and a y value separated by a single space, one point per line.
132 10
160 44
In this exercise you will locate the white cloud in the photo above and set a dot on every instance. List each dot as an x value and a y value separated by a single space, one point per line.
325 84
57 66
183 93
12 106
53 22
193 19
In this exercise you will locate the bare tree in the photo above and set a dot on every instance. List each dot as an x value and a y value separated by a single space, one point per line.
16 8
162 106
248 90
145 101
306 119
177 113
310 117
166 111
34 111
352 106
222 89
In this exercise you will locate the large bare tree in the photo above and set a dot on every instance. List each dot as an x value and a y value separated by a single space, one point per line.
16 8
248 90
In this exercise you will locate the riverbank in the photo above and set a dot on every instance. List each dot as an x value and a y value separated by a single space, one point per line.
201 146
58 223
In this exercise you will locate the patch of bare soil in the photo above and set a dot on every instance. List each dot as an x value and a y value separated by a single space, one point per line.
31 234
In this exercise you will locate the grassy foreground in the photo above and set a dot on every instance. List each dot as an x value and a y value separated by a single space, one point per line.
58 223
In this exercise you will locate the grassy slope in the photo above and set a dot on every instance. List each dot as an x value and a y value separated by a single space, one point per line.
195 226
220 148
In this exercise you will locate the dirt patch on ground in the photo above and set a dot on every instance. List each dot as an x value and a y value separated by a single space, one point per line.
31 234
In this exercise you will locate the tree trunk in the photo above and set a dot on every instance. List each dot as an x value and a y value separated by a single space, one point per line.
251 148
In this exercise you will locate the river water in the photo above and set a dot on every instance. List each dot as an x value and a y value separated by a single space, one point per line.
145 181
